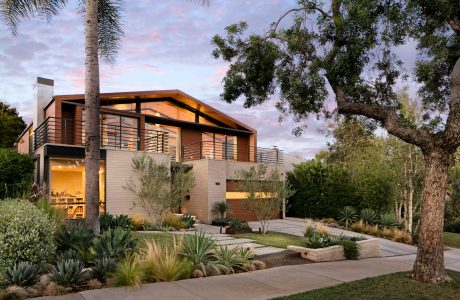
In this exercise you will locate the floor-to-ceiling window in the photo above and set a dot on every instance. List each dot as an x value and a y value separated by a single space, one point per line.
218 146
67 186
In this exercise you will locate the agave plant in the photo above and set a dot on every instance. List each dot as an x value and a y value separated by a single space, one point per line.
221 208
388 220
103 267
227 259
106 221
22 274
71 254
75 236
197 248
319 241
245 254
69 272
369 216
123 221
347 215
188 221
114 243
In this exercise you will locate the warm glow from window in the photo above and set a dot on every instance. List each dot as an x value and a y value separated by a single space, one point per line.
67 186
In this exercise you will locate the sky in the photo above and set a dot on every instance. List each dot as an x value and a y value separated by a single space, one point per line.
167 45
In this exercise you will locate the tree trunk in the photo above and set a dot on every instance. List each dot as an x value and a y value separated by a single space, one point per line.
409 209
429 264
92 128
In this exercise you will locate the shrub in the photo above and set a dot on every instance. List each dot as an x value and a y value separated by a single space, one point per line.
388 220
128 272
347 216
139 222
70 273
163 263
26 234
188 221
197 248
220 208
350 248
56 214
220 221
114 243
322 230
174 221
17 173
23 274
237 223
103 267
386 232
452 225
369 216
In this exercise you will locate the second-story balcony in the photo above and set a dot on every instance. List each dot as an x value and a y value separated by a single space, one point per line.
118 135
113 136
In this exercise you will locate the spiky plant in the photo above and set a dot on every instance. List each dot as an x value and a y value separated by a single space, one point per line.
103 267
245 254
123 221
115 243
70 273
226 259
221 207
188 221
347 215
197 248
309 230
388 220
128 272
71 254
106 221
369 216
22 274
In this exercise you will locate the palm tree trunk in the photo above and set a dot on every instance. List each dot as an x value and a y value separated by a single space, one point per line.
92 128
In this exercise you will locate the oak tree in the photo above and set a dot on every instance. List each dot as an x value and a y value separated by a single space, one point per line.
348 50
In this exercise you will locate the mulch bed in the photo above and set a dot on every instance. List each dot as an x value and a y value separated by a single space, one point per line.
283 258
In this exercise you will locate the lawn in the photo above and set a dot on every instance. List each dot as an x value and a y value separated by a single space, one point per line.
275 239
393 286
452 239
164 237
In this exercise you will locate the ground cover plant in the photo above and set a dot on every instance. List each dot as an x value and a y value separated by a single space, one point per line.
275 239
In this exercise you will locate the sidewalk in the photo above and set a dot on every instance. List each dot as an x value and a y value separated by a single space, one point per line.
264 284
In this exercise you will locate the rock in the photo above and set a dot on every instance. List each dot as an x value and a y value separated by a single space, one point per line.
259 265
15 292
197 273
94 284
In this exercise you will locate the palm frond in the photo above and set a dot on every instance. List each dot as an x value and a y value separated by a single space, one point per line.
12 12
109 16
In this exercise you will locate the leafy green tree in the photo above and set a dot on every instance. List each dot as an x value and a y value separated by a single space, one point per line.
349 48
11 125
320 190
16 173
267 193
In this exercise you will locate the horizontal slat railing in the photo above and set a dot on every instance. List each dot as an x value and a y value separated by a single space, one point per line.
113 136
230 151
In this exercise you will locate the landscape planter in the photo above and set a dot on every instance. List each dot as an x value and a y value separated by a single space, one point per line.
237 231
367 248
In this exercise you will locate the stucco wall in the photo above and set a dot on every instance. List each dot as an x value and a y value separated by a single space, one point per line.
118 171
198 202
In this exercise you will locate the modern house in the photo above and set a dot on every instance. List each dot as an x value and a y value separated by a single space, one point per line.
169 125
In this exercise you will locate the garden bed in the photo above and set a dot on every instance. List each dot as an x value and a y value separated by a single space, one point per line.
367 248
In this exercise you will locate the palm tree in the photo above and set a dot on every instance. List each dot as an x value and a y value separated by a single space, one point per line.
102 37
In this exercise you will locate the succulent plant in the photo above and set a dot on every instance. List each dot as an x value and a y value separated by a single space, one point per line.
70 273
103 267
22 274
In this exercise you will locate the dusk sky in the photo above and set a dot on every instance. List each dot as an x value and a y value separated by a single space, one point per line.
167 45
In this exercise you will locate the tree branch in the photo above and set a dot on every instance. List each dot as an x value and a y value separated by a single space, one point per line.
454 24
452 131
389 118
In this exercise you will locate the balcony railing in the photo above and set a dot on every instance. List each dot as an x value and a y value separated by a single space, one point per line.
231 151
113 136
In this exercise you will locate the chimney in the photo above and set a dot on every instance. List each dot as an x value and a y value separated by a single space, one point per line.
44 92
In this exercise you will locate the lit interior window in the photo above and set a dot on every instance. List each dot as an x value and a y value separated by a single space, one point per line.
67 186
